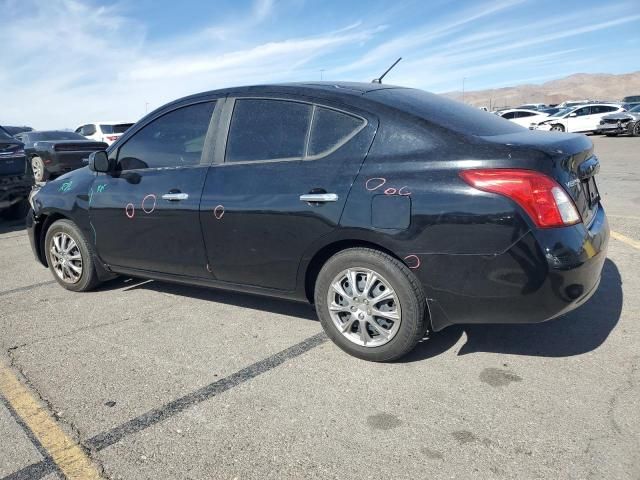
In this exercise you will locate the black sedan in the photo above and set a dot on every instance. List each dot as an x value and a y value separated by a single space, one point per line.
15 177
53 153
397 212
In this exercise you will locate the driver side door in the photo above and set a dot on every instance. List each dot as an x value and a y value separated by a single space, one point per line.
145 215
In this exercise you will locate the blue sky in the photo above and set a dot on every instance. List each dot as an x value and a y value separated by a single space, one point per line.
74 61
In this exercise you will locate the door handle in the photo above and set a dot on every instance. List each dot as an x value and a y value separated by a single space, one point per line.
173 197
319 197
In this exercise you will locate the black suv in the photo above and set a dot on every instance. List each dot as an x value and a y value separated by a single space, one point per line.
16 178
395 211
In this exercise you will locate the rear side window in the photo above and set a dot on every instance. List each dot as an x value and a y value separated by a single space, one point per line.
447 113
267 130
331 129
509 115
174 140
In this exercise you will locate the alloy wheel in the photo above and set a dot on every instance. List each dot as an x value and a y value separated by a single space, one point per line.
364 307
38 169
66 257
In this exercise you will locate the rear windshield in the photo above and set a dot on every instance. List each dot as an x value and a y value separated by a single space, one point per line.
119 128
47 136
445 112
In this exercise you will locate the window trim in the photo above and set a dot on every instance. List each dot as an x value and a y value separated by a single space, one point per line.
207 151
225 125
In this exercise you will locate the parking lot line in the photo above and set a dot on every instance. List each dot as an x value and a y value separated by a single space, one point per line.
624 239
68 455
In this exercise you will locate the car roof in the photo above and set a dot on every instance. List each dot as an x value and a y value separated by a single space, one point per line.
519 110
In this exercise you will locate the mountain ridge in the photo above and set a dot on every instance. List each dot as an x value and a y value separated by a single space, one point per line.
578 86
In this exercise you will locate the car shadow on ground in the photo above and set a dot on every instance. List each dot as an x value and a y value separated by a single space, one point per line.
243 300
10 226
577 332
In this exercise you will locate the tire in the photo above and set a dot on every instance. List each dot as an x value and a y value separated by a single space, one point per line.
557 127
87 278
17 211
40 173
635 132
408 302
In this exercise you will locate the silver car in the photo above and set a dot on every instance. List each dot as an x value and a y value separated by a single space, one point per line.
621 123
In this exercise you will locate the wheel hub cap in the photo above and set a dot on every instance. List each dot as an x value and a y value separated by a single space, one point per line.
66 258
364 307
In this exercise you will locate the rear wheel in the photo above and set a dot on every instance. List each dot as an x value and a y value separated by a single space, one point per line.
70 257
557 127
370 304
40 173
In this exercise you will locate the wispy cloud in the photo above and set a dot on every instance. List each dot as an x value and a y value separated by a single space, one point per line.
70 61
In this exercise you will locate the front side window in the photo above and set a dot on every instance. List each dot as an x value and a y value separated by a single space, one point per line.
331 129
174 140
267 130
583 111
88 130
509 115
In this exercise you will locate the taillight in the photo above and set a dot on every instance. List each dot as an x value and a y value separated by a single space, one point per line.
540 196
112 138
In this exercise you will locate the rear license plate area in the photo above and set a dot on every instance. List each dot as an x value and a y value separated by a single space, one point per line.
591 191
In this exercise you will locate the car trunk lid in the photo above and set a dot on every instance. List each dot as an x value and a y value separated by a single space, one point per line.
572 164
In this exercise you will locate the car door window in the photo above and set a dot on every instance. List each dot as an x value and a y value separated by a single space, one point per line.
525 114
266 129
509 115
583 111
88 130
176 139
331 129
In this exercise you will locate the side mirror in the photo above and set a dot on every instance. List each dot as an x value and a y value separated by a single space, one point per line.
99 162
572 115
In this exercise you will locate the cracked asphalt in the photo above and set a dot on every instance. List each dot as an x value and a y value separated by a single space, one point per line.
161 381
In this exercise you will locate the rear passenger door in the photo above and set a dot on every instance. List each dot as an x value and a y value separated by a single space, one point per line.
279 185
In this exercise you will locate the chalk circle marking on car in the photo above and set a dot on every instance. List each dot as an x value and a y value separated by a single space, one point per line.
153 207
130 210
412 261
218 212
381 181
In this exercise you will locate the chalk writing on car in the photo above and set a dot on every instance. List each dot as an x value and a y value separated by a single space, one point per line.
218 212
130 210
147 207
66 186
412 261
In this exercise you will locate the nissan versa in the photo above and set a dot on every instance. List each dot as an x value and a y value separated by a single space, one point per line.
395 211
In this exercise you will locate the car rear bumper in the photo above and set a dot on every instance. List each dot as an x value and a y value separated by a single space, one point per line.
544 274
14 189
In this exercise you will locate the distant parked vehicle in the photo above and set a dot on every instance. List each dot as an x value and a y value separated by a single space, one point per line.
53 153
107 132
573 103
629 106
631 98
532 106
15 130
523 117
15 177
621 123
550 110
583 118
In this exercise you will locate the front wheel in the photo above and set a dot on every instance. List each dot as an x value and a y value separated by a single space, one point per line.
70 257
558 127
636 130
40 173
370 304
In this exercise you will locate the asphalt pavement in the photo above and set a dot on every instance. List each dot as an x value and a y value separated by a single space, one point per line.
149 380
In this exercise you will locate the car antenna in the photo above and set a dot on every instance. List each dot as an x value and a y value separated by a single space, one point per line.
379 79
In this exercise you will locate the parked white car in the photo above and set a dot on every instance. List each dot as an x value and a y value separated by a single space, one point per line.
532 106
583 118
107 132
523 117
